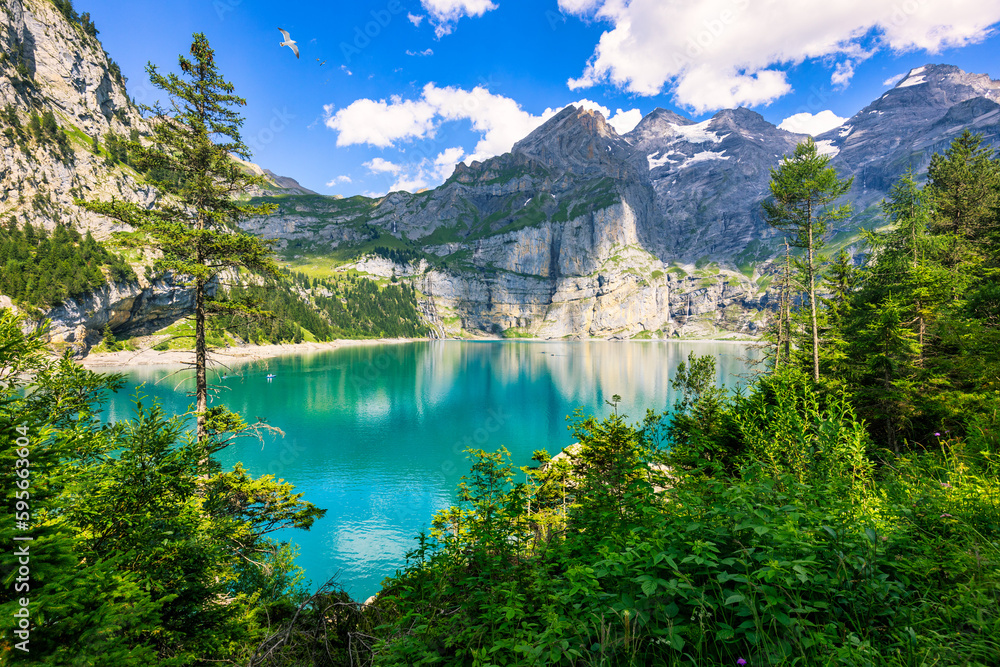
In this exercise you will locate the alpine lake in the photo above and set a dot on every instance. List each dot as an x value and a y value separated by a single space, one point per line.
377 434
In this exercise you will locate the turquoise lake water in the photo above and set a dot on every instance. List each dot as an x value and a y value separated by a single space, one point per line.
375 434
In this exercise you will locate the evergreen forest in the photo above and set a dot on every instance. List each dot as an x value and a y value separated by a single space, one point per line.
295 306
39 269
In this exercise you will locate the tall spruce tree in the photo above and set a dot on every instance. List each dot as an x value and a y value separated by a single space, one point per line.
802 189
195 226
964 188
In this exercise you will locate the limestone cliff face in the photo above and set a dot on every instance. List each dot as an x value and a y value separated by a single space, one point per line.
125 307
51 64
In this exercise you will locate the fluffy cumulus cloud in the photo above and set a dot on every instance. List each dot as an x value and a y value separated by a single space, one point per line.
415 19
842 74
428 172
381 123
812 124
337 180
715 54
381 166
499 121
446 13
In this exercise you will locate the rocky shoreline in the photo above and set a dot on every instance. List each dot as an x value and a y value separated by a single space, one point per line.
151 357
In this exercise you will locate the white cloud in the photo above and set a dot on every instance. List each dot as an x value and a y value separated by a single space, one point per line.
499 120
724 53
842 74
338 179
382 123
446 13
428 172
446 160
578 7
415 19
380 166
625 121
409 183
425 52
344 68
812 124
894 79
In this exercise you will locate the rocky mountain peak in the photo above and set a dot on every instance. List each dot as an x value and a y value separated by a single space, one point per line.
577 140
657 123
950 79
742 121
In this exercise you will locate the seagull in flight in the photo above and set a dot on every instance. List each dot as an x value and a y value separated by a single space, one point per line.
289 42
321 63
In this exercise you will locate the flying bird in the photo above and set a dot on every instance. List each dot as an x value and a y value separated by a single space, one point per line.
322 63
289 42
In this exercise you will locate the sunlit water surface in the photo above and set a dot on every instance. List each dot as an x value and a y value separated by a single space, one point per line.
375 434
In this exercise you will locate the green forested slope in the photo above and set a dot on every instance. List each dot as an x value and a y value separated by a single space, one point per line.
41 269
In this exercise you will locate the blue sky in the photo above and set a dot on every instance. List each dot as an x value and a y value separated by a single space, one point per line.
410 87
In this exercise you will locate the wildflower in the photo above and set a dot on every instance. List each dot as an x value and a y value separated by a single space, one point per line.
741 661
945 485
937 435
945 515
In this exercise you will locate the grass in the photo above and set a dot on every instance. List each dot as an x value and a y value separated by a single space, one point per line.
515 332
181 335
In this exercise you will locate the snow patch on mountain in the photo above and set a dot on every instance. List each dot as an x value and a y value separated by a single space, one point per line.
826 147
697 133
655 162
703 156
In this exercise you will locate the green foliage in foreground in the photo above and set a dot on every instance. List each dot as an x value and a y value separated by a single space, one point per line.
143 551
818 549
42 270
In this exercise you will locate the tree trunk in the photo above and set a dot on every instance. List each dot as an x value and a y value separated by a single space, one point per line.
200 356
788 303
812 304
200 381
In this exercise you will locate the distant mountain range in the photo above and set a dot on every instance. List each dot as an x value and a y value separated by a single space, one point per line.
577 231
577 223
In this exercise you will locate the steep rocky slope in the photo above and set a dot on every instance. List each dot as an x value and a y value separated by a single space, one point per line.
52 63
918 117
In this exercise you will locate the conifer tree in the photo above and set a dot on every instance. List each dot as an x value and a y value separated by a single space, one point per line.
802 188
195 228
964 188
